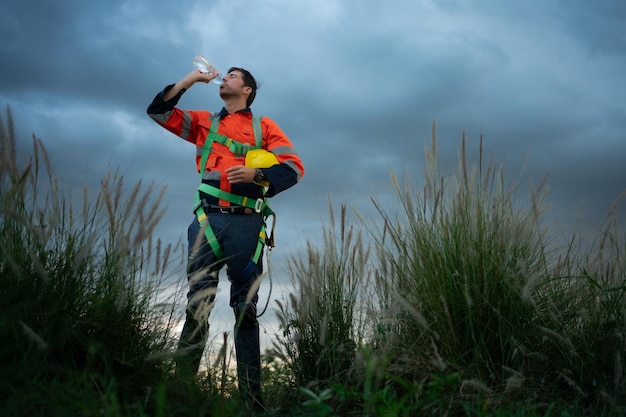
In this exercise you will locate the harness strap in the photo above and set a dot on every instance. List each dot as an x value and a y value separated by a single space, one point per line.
238 148
259 205
235 147
208 231
258 134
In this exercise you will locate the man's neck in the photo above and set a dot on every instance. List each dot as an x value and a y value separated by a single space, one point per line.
234 105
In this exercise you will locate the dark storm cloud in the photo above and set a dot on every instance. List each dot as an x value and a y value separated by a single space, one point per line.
100 53
599 26
356 85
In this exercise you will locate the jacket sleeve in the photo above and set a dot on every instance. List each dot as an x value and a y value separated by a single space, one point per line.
160 107
290 169
180 122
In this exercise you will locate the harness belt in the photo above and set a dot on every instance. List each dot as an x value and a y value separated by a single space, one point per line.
260 205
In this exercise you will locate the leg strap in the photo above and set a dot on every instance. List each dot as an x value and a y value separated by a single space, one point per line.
203 220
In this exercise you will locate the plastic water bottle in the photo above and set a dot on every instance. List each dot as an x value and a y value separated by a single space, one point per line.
206 67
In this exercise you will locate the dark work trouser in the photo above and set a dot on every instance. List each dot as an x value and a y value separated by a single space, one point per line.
238 236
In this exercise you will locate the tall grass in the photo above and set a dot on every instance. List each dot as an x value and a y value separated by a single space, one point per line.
477 307
83 318
463 303
582 307
323 320
458 263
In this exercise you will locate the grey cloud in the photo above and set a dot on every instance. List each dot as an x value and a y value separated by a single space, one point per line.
355 85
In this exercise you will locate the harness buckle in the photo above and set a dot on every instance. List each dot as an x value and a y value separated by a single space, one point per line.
258 205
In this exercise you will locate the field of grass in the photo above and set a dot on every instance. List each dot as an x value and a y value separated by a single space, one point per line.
457 303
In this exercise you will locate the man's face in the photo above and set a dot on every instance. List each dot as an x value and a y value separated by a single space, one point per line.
232 85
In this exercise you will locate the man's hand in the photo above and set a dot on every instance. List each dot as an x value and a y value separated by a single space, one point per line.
240 174
188 80
204 77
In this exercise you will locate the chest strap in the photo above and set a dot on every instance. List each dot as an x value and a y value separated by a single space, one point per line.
237 148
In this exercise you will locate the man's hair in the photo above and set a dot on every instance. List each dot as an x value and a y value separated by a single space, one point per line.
248 81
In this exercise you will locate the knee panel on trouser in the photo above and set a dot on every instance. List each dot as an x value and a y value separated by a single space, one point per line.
245 315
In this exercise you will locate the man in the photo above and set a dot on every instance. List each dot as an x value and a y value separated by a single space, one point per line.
228 228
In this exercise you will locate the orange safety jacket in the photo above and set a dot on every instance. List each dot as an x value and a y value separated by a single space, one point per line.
194 125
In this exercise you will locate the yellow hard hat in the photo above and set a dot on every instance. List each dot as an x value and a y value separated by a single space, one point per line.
260 158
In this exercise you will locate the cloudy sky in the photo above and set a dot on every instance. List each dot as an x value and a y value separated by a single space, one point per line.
356 85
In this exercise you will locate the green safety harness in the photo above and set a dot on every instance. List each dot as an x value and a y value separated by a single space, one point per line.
259 205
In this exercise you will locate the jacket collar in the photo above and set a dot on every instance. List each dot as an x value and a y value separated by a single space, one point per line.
224 112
